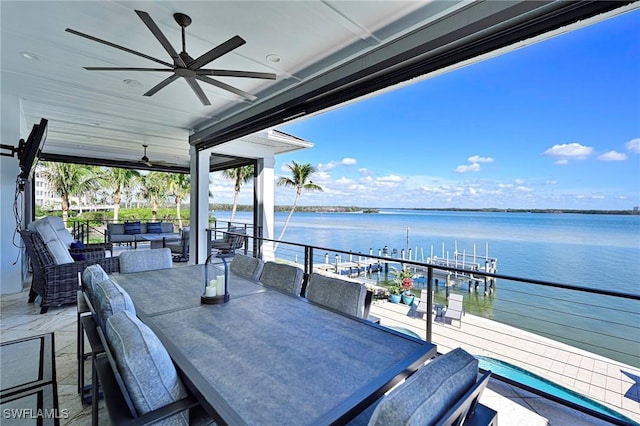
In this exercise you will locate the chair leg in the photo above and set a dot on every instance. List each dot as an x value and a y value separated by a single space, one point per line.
43 309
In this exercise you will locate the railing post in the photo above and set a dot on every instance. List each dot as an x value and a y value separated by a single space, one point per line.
429 303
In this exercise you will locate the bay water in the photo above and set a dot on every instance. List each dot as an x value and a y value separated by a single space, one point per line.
588 250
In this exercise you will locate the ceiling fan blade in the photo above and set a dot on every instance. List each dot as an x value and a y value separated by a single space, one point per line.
108 43
224 86
127 69
161 85
146 18
216 52
197 90
232 73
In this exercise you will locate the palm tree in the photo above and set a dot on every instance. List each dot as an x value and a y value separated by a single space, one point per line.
154 188
119 180
239 175
67 180
179 186
300 180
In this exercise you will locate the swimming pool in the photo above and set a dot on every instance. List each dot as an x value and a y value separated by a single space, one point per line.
522 376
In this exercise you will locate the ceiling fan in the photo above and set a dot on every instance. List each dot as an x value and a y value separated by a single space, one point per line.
183 64
145 160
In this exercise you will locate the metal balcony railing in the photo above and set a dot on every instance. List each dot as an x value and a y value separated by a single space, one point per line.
586 340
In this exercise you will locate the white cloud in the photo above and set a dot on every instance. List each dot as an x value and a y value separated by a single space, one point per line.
478 159
344 181
568 151
612 156
475 167
551 182
364 171
561 162
349 161
333 164
633 145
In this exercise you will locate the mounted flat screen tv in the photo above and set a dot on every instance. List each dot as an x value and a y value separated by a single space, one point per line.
29 151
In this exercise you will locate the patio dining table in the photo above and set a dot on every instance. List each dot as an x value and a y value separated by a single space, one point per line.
269 358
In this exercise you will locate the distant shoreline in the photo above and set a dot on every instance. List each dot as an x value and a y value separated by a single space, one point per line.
356 209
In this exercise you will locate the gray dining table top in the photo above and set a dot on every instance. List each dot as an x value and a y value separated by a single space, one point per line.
268 358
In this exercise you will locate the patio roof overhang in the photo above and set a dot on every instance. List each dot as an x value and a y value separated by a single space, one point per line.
324 54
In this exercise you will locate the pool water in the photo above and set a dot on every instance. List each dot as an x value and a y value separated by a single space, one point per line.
530 379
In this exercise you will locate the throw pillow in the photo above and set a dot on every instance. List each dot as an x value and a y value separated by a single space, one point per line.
78 256
132 228
146 368
154 228
77 245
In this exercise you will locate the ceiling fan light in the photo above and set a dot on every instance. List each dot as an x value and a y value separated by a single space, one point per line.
131 82
272 57
30 56
144 172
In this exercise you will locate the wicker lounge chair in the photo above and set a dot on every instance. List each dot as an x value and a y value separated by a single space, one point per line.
58 284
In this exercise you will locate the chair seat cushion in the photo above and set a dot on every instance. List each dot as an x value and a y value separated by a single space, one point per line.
145 366
427 395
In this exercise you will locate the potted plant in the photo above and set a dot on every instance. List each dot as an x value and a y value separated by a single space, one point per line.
402 286
403 283
395 293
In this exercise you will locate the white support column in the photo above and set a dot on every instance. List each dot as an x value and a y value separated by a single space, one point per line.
199 215
11 129
265 196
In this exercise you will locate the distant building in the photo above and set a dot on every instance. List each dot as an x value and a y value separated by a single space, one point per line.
44 195
636 210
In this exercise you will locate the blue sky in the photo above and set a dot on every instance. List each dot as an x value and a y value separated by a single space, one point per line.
552 125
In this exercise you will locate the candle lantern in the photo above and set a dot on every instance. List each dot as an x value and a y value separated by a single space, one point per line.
216 275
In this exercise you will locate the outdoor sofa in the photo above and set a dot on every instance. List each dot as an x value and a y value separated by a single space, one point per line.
135 232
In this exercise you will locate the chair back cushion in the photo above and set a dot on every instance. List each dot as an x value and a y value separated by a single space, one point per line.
167 227
58 250
116 228
109 299
427 395
61 230
287 278
145 260
92 275
343 296
246 267
145 366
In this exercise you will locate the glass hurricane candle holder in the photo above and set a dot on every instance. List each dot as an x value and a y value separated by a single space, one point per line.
216 276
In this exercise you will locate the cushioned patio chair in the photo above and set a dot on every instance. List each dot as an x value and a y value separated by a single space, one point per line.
233 239
455 309
246 267
445 391
179 249
141 386
145 260
56 283
340 295
286 278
